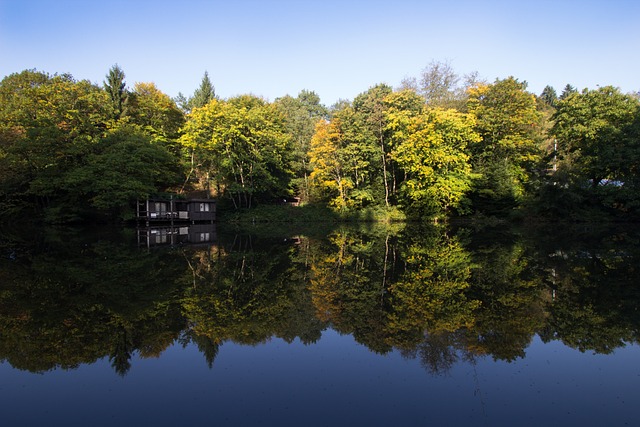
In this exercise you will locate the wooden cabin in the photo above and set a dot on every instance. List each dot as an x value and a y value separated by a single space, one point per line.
176 211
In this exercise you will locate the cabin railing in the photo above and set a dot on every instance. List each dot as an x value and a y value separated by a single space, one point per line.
170 211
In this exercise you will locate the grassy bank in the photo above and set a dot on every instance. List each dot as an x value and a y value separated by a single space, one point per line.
306 214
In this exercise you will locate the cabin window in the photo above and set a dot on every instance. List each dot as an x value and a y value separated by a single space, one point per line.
161 207
204 207
204 237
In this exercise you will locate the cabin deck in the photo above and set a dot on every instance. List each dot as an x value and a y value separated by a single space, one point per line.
163 211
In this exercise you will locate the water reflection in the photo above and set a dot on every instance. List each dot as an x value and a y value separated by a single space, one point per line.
194 234
438 294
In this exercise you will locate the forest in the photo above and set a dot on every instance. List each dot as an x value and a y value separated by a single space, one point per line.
439 145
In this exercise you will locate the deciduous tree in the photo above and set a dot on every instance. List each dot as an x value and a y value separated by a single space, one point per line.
508 154
156 113
597 134
370 108
49 124
128 166
431 148
441 86
328 175
241 146
301 116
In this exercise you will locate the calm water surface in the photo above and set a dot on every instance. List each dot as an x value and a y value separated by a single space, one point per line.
397 325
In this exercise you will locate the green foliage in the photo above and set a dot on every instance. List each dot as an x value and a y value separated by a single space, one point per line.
156 113
115 86
241 147
598 152
329 176
370 108
273 215
567 91
129 166
350 154
63 155
549 96
508 155
301 114
49 125
204 94
378 213
430 147
570 156
405 100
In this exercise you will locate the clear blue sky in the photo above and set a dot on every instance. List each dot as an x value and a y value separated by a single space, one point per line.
336 48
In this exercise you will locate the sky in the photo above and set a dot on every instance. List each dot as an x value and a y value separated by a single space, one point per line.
336 48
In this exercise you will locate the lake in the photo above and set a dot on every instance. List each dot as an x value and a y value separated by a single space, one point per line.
406 325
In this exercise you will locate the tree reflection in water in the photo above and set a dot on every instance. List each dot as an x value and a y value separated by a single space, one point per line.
440 294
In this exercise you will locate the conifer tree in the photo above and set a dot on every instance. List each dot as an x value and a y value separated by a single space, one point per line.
568 90
549 96
115 87
204 94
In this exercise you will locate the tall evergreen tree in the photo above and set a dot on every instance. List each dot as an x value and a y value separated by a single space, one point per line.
204 94
568 90
116 88
549 95
182 102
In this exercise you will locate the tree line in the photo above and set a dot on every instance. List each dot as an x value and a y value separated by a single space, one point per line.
441 144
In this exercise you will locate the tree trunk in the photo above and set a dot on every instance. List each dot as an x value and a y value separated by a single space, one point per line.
384 170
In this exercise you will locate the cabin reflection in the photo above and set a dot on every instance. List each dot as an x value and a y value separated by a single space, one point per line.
192 235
